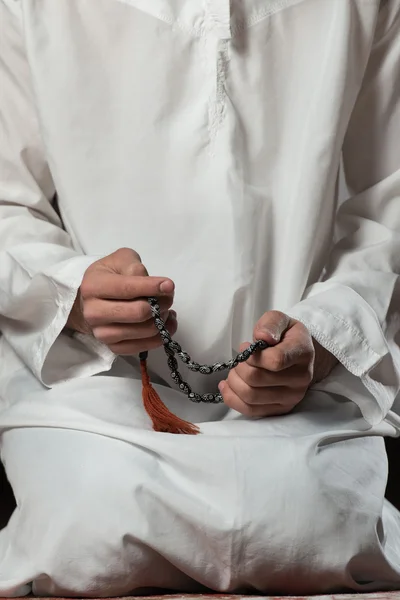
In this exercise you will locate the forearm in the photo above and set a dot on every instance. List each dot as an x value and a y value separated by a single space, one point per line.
324 362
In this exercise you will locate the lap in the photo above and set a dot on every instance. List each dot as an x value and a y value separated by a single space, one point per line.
183 513
106 506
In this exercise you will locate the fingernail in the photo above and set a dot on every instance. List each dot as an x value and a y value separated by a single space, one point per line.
221 386
167 287
173 313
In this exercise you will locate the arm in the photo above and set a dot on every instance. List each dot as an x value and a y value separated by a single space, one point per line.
40 271
355 311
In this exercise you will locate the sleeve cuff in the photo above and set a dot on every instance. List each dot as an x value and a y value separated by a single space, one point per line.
38 318
345 325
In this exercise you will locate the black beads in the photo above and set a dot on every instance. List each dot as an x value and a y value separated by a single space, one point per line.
172 349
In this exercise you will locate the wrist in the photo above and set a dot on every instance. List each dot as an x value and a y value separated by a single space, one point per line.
76 321
324 362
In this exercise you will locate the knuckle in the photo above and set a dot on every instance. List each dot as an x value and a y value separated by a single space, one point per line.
277 361
302 327
93 267
139 270
252 400
105 335
231 375
228 397
275 318
277 314
252 376
127 291
89 312
86 288
246 409
303 332
141 312
128 253
117 311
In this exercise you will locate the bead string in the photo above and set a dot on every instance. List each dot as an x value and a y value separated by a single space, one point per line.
172 348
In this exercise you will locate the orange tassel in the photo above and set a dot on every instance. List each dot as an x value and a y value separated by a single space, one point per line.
163 419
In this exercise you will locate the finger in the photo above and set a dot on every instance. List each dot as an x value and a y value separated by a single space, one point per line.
282 357
286 355
136 270
293 377
296 348
103 312
248 394
132 347
106 285
124 261
114 333
243 346
279 394
271 327
232 400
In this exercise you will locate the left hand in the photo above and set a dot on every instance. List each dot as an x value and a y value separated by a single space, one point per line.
274 381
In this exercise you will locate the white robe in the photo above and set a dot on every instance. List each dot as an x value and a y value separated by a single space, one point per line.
207 136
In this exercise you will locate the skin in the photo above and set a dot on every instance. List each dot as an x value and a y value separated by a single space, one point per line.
111 305
274 381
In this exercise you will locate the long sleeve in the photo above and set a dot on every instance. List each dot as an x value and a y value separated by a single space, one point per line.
354 312
40 271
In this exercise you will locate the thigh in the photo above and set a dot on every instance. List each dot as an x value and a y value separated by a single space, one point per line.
84 516
312 517
261 504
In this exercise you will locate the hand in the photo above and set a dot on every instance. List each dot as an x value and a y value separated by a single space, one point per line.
112 306
274 381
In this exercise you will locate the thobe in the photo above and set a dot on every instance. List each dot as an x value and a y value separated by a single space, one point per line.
207 136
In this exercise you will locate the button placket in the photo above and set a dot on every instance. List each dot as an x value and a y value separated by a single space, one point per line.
219 12
218 31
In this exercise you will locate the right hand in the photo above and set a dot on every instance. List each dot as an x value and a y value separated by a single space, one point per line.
112 304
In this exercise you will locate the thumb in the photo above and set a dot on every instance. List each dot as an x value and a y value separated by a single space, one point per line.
125 261
271 327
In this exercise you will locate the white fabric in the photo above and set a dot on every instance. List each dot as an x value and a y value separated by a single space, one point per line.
208 137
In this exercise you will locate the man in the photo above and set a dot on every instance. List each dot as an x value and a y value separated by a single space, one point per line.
195 149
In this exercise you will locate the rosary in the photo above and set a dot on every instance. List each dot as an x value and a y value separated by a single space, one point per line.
162 418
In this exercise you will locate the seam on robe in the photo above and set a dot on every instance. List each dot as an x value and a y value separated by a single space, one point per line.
352 330
275 7
267 11
382 399
352 366
378 390
168 20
